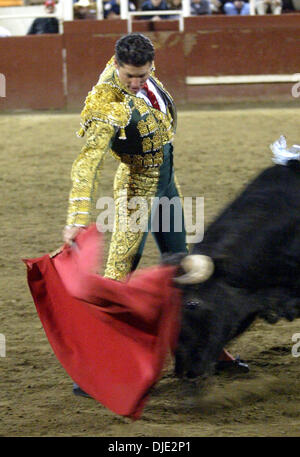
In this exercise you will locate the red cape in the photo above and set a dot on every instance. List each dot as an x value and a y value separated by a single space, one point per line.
111 337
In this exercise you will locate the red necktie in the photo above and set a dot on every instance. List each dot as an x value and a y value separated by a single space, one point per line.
151 97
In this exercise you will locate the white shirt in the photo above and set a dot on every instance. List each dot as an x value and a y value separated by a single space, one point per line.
143 94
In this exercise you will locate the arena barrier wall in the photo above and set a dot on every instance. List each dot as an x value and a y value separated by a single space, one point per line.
33 70
251 45
57 71
88 46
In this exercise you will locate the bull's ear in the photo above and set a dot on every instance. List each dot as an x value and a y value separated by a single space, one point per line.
198 268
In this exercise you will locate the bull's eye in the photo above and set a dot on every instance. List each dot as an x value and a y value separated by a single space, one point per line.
192 304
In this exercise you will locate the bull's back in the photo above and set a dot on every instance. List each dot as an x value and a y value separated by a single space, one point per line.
256 240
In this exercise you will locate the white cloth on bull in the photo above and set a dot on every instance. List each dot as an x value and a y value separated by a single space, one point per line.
281 154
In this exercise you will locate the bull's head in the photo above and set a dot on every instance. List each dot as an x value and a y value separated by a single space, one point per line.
216 310
213 313
192 355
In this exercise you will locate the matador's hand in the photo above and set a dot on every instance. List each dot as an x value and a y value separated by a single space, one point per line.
70 233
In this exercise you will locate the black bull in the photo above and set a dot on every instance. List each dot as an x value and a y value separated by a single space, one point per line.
255 247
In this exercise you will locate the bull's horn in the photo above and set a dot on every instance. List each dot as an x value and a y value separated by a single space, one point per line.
198 268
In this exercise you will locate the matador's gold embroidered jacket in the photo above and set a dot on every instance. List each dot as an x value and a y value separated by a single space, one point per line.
115 120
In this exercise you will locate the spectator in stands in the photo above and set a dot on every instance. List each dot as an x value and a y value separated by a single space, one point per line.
216 7
111 9
43 25
155 5
296 5
268 6
237 7
174 5
199 7
4 32
85 9
287 6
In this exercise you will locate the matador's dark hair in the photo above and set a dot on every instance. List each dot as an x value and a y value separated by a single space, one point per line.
134 49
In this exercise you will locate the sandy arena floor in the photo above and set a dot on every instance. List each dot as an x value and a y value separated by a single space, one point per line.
216 153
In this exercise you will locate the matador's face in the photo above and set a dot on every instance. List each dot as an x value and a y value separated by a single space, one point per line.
132 77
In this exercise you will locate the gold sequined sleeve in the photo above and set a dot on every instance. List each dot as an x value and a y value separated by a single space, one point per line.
85 173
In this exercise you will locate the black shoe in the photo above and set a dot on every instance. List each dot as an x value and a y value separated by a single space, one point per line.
234 366
78 391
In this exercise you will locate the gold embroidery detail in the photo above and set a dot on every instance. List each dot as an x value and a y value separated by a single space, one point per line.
122 134
137 160
152 123
159 115
124 244
147 144
148 160
106 104
157 140
141 106
143 127
85 173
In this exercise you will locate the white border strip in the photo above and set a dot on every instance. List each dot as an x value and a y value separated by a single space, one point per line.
241 79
